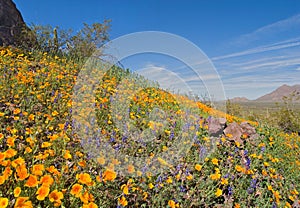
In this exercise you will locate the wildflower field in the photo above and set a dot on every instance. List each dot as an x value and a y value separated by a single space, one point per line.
44 161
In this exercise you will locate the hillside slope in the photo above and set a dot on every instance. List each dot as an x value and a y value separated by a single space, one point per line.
46 161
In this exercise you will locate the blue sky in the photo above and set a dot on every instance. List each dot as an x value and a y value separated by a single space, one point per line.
254 45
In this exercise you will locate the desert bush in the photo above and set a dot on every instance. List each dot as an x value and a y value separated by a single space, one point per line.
64 42
287 116
233 109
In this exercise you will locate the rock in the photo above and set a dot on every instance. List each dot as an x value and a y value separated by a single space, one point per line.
296 204
11 23
235 132
222 121
216 126
248 130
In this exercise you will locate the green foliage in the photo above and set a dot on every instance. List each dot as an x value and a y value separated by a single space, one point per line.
88 39
233 109
288 116
64 42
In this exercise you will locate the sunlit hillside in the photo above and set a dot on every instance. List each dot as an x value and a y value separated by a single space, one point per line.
46 162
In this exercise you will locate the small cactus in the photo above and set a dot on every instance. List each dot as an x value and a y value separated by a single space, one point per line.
55 40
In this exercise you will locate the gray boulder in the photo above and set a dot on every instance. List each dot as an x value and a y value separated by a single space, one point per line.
248 130
235 132
216 126
11 23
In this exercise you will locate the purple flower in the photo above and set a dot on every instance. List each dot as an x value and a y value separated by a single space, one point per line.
66 125
248 162
171 135
253 183
159 179
203 152
230 191
124 138
252 187
182 189
250 190
112 139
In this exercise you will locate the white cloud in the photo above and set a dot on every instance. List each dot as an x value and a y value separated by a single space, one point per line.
256 73
266 48
184 80
275 28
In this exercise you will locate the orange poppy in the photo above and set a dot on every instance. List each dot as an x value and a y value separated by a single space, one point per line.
3 202
42 193
17 191
38 169
90 205
10 153
22 202
22 172
32 181
76 190
56 196
109 175
46 180
84 178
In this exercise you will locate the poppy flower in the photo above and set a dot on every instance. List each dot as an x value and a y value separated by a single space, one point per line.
32 181
76 190
3 202
42 193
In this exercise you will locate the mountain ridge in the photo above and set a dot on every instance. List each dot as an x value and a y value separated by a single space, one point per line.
276 95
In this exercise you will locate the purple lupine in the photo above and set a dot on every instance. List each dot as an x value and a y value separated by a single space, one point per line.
112 139
159 179
66 125
117 147
171 135
250 190
230 191
187 172
203 152
248 162
124 138
252 187
253 183
182 188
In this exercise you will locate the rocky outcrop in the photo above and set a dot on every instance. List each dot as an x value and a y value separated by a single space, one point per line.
11 23
216 126
248 130
233 131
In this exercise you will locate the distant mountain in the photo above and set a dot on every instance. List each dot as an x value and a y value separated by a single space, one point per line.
279 93
239 99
